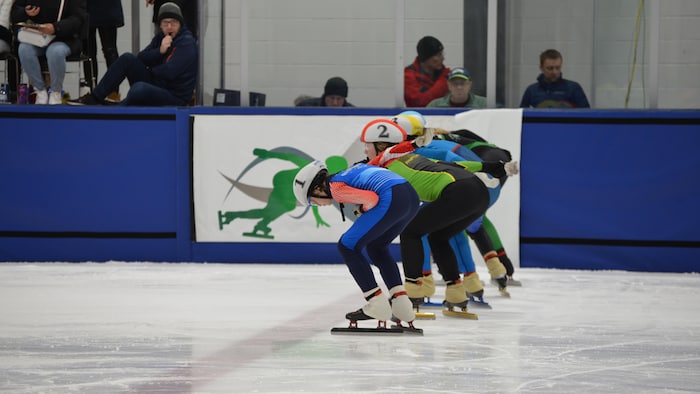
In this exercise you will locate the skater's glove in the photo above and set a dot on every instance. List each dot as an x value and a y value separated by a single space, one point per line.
358 211
512 168
424 139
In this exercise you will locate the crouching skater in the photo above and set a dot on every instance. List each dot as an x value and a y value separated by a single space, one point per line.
385 203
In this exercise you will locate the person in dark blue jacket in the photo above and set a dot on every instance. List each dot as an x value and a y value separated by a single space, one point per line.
163 74
551 90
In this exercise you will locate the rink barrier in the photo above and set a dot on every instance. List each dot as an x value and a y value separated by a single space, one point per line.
599 189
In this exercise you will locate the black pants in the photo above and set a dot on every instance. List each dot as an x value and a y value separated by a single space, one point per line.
459 204
108 39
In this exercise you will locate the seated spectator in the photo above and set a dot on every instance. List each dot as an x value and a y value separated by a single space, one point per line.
459 83
335 94
551 90
66 25
163 74
426 78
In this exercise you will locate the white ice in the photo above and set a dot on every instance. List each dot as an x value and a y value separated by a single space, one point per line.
244 328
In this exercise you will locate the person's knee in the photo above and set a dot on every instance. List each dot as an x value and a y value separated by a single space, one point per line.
25 51
138 93
127 57
55 53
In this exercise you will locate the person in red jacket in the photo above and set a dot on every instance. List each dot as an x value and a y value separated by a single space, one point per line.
426 78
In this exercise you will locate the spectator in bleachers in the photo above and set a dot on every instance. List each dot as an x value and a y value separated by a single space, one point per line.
426 78
189 11
459 83
551 90
335 94
66 23
163 74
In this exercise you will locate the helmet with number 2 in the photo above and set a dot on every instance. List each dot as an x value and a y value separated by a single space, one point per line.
306 179
383 130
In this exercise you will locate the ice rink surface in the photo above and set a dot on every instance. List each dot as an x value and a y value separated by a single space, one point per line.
244 328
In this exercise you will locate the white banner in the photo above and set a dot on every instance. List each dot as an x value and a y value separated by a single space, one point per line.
243 167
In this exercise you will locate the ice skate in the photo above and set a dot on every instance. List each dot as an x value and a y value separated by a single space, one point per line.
416 294
497 272
402 310
225 218
428 285
456 297
475 290
514 282
509 282
377 308
258 229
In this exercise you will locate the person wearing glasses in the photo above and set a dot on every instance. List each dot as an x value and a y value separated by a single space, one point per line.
163 74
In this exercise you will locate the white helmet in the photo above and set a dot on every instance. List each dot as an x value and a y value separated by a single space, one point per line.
304 180
383 130
410 123
417 115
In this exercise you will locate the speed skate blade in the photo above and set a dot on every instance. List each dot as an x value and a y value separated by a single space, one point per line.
409 330
258 235
514 282
479 303
462 314
425 316
511 282
366 331
431 304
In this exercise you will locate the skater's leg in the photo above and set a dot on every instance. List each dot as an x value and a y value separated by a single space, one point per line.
496 268
358 266
375 230
460 245
498 246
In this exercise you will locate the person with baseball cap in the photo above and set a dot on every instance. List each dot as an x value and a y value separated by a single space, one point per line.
459 84
426 78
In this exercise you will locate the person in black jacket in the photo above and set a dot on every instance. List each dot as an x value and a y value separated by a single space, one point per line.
163 74
67 28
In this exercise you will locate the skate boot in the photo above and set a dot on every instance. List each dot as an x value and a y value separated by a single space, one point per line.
497 271
456 297
401 305
472 284
260 231
377 308
415 291
474 289
505 260
428 284
402 310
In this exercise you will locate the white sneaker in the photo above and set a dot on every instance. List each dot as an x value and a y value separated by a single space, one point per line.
42 97
55 98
